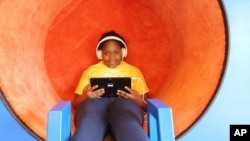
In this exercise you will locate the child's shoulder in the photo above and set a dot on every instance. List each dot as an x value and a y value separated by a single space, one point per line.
96 66
129 66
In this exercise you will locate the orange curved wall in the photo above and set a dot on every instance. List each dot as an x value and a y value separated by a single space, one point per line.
45 45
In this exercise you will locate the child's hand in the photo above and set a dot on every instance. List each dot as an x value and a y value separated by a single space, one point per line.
131 94
93 92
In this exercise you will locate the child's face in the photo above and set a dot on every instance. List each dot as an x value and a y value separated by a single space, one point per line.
111 54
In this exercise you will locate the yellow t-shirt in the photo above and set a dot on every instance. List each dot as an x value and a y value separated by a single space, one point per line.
122 70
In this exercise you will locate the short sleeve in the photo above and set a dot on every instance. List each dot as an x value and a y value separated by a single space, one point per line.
139 83
84 81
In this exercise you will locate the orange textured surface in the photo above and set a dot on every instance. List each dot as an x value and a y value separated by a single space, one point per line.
45 45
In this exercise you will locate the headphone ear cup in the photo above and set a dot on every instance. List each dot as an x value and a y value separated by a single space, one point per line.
99 54
124 52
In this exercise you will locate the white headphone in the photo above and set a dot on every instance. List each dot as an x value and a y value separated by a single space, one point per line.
99 52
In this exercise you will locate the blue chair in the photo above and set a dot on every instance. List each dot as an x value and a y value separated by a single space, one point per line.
160 121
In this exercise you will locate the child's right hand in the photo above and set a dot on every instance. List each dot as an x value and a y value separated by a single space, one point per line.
94 92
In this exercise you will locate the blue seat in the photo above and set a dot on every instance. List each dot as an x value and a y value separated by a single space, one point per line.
160 121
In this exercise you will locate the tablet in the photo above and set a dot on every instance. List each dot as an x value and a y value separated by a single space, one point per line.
111 84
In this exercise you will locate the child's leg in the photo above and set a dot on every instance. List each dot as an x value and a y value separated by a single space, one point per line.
91 120
126 119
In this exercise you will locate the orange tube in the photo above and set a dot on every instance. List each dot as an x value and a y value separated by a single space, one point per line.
45 45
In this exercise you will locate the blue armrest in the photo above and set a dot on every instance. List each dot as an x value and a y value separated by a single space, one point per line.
59 122
160 121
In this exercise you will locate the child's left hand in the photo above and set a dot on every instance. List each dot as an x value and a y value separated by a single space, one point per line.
133 94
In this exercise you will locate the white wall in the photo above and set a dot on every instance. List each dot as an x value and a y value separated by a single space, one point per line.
232 103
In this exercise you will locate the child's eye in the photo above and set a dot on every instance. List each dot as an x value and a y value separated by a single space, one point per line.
106 53
116 52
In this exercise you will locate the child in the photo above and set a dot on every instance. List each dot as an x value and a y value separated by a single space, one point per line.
121 116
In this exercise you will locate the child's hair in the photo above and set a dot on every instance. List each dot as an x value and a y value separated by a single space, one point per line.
120 40
113 36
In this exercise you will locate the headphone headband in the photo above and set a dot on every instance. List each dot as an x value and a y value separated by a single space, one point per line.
98 52
110 38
